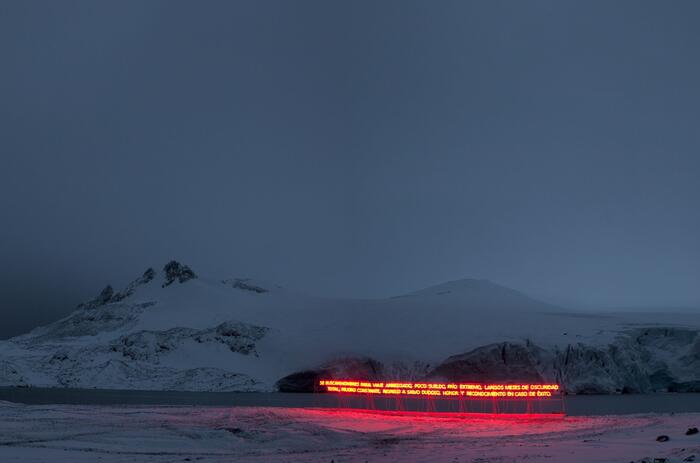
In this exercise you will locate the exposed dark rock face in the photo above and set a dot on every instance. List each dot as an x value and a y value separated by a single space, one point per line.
637 361
103 298
245 285
147 277
502 362
235 330
353 367
155 377
138 359
108 296
303 381
150 345
239 337
174 270
90 322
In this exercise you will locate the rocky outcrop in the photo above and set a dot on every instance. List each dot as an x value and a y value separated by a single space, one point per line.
108 296
156 333
637 361
146 278
151 345
88 322
175 271
137 360
352 367
240 337
245 285
504 362
130 375
101 299
347 367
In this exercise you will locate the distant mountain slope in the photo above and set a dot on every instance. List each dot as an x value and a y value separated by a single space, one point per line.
483 293
174 329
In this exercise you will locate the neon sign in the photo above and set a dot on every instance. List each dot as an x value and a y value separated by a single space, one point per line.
442 390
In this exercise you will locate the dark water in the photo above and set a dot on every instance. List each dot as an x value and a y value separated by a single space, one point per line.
573 405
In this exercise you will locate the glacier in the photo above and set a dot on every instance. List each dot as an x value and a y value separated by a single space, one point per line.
172 329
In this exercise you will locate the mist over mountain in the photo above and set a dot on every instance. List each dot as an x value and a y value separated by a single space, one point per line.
350 149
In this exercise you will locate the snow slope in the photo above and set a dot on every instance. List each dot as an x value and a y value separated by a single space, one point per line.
172 329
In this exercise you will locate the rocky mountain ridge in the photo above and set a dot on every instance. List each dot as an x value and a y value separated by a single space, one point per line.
175 329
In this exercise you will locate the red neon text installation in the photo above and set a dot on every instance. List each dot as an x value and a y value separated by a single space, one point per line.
466 390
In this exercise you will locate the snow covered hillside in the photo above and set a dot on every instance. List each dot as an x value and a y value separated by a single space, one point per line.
172 329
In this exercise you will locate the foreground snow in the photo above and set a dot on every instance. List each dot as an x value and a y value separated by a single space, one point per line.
208 434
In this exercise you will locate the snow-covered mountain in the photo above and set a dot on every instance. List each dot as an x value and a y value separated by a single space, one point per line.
172 329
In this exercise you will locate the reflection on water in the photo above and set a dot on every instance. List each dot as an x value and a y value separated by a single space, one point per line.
574 405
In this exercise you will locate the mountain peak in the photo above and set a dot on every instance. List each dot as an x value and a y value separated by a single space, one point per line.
108 295
462 286
478 292
174 270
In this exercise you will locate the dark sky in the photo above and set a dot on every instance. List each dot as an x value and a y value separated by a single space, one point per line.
350 148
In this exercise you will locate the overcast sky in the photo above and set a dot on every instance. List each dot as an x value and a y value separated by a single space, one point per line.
350 148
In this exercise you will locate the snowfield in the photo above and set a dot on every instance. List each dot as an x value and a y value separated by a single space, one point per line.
59 434
175 330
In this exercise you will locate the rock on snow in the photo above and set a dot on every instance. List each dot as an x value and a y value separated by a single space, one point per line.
174 329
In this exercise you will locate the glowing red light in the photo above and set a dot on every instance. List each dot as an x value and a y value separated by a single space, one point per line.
446 390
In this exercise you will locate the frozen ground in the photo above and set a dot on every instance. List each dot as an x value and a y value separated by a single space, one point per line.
65 433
